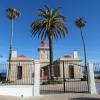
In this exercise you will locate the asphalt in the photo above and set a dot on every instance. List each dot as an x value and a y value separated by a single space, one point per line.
66 96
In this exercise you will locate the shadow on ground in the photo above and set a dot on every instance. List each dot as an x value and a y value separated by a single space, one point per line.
85 98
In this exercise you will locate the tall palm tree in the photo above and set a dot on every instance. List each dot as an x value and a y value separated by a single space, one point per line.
80 23
12 14
50 25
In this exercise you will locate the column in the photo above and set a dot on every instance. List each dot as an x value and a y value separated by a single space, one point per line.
91 80
37 78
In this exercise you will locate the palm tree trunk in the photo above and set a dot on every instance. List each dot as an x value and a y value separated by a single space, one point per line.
51 57
10 49
84 49
85 60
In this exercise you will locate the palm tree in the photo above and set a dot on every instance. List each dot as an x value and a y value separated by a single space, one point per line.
12 14
50 25
80 23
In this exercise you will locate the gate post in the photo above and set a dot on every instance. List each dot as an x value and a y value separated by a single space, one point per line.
37 78
91 80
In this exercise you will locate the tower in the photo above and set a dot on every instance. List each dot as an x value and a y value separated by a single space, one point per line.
43 52
75 55
14 54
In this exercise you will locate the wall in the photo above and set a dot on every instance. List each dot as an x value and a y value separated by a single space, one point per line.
24 90
18 90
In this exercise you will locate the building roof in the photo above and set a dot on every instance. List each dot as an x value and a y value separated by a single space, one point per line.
67 56
22 58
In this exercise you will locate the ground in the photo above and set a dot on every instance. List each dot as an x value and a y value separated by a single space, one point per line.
66 96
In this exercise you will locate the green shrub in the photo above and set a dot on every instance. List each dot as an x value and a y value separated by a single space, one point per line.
52 82
7 81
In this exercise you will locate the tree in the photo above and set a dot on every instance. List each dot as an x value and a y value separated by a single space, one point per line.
80 23
12 14
50 25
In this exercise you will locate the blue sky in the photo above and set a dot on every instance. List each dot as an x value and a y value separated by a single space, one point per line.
25 44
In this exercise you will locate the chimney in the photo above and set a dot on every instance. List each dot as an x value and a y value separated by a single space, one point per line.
76 54
14 54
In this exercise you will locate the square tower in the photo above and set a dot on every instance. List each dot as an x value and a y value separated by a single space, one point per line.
43 52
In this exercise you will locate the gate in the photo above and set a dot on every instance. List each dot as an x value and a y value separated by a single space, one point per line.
69 77
96 67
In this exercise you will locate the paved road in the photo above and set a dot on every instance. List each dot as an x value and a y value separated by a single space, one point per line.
56 97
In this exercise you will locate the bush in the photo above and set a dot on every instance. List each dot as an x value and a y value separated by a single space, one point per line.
52 82
7 81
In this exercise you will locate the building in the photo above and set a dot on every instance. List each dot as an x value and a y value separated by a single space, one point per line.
72 65
22 67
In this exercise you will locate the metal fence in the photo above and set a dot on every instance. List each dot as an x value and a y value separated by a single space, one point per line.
96 67
17 74
68 77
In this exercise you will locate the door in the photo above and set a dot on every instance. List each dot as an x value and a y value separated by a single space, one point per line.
71 71
19 72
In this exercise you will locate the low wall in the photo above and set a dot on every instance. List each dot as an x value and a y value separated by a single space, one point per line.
17 90
98 88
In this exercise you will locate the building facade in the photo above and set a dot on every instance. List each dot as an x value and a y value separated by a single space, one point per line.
22 67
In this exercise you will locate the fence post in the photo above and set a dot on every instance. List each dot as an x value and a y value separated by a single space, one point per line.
37 78
91 80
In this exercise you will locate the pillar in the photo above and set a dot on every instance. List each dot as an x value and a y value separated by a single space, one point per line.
37 78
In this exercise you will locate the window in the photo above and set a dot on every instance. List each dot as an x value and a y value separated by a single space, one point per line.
19 72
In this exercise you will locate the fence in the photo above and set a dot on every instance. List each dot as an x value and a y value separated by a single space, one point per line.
96 67
68 77
17 74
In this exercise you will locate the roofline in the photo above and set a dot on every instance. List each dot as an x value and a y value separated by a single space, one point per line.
71 60
21 60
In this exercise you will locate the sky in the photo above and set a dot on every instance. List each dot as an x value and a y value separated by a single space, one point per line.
71 9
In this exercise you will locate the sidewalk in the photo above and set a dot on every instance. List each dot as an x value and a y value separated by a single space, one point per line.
66 96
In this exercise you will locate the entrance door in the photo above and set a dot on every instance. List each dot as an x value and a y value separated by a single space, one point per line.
19 72
71 71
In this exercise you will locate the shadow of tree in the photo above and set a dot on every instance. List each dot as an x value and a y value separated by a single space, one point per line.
85 98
